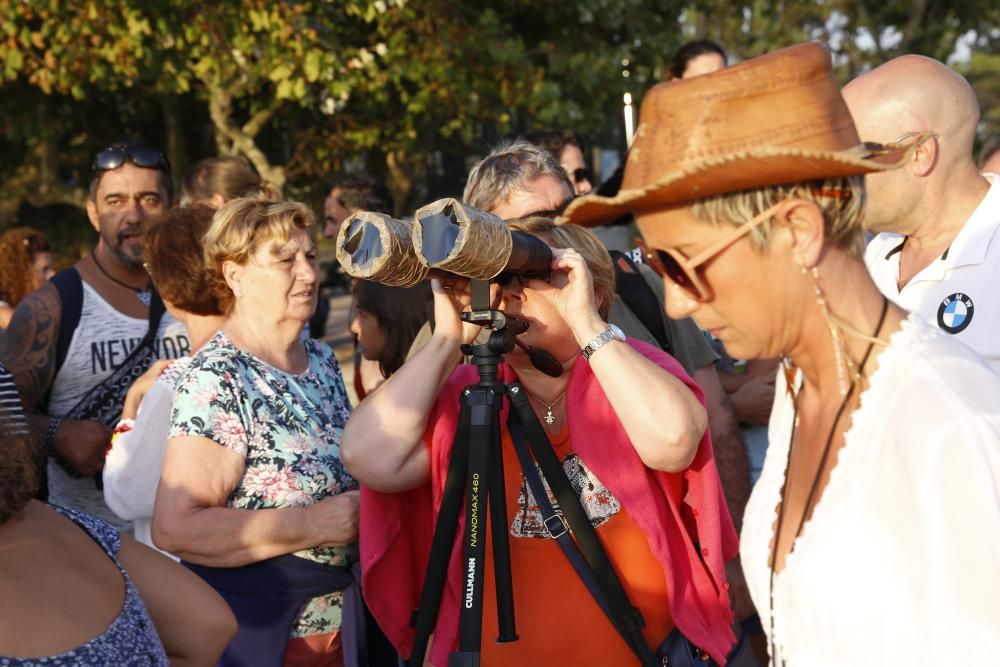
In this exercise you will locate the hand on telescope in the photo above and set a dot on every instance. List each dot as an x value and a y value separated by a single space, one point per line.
451 297
571 290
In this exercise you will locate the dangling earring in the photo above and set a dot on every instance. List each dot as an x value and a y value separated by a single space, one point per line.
839 351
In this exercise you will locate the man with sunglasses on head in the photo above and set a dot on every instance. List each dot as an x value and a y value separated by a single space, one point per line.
937 249
75 345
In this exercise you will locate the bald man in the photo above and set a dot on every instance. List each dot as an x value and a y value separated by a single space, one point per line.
937 251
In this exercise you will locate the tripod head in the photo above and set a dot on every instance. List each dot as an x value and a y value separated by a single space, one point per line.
505 330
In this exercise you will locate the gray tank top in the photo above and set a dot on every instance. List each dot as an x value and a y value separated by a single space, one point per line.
101 342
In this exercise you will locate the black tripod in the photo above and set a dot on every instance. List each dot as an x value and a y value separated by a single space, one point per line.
475 473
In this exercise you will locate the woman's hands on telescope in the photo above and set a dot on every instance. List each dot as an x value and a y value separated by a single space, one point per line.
451 297
570 290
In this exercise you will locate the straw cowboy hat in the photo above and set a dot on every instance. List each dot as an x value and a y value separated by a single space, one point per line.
772 120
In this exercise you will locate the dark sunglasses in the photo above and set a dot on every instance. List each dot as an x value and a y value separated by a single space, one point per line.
505 279
580 175
141 156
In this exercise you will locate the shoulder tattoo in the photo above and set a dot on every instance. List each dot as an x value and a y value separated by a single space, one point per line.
28 346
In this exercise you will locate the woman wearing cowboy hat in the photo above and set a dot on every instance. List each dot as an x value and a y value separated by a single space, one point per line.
872 535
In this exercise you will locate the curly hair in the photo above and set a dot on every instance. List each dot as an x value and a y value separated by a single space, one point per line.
18 247
20 457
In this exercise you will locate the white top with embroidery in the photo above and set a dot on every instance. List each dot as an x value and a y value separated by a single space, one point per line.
898 564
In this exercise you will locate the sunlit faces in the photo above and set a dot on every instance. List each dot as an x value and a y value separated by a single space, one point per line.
746 308
545 193
280 281
41 268
126 196
571 159
706 63
371 337
334 214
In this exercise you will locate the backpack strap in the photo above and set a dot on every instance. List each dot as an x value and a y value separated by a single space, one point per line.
70 287
640 298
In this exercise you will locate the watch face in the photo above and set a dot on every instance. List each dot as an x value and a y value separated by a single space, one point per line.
616 333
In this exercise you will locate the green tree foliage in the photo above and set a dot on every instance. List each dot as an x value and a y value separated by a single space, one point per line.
415 88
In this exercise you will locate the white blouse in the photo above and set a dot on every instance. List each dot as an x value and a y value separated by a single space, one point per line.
900 561
133 466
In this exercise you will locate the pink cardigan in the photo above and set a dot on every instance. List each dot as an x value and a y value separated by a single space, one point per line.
396 528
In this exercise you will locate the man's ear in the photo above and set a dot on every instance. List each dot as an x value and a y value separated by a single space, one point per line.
925 157
95 221
806 230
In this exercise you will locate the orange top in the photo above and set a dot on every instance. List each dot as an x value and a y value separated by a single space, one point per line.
558 621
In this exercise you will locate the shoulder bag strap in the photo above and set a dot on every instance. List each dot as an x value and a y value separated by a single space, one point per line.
626 618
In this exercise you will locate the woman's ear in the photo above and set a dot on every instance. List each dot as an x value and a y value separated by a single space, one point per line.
806 227
232 273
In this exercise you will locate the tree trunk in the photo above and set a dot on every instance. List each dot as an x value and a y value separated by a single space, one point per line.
400 180
175 150
241 139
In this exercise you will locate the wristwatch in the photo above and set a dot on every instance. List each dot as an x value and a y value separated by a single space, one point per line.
609 334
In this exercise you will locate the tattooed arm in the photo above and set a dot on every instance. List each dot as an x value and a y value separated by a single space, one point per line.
28 346
28 350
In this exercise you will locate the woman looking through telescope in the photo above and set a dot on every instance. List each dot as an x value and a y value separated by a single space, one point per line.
630 429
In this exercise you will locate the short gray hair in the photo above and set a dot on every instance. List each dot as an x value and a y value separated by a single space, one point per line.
510 167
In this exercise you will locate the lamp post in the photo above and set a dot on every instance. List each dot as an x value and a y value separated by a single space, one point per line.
629 120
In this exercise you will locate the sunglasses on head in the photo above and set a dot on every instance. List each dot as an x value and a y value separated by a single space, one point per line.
141 156
580 175
685 272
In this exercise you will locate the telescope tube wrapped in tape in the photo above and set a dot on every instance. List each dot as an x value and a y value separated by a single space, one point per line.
453 237
378 247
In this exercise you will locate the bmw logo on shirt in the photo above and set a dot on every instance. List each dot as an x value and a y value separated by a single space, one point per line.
955 312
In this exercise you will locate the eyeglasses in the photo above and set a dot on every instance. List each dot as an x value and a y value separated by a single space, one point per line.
141 156
580 175
685 272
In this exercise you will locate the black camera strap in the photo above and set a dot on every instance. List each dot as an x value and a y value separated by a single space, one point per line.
586 553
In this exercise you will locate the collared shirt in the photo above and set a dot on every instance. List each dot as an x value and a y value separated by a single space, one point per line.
959 291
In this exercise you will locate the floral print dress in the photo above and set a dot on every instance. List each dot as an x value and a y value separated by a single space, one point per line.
288 429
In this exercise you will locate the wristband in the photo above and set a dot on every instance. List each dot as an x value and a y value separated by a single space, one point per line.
50 436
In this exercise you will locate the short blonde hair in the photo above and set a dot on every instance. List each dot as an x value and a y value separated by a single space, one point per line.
583 241
243 226
841 200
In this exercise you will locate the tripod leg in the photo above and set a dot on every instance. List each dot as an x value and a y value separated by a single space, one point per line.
507 631
425 617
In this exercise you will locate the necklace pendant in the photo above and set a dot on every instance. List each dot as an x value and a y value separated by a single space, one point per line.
146 296
549 418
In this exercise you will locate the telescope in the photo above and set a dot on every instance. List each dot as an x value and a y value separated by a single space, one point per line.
446 238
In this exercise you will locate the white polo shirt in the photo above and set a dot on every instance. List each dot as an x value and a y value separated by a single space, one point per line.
959 291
